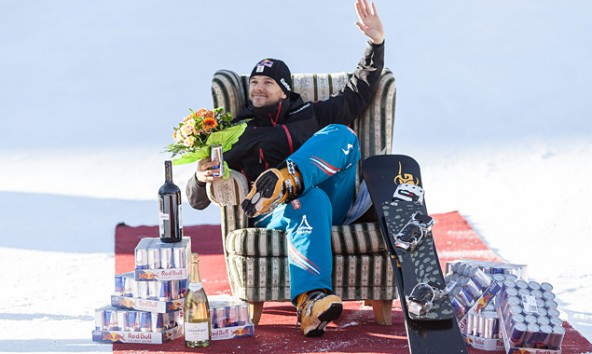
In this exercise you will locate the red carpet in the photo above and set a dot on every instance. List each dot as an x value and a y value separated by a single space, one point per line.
355 332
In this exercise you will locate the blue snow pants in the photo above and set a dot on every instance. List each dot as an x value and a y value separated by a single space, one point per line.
327 162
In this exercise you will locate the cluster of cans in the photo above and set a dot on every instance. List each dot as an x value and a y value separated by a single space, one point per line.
531 318
229 313
160 290
484 324
115 319
470 283
161 258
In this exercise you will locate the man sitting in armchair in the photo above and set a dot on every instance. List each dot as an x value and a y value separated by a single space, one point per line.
302 158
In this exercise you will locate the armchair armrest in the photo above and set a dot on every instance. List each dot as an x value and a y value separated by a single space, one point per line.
228 192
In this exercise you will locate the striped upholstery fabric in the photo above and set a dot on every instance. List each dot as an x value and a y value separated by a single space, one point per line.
256 258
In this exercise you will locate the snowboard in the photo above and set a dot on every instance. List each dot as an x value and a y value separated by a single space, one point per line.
395 187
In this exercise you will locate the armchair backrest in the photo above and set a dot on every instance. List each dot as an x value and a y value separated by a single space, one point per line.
374 127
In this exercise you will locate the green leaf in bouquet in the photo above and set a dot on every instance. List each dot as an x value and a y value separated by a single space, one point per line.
227 137
192 156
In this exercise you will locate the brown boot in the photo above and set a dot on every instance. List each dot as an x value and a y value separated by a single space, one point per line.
315 310
272 188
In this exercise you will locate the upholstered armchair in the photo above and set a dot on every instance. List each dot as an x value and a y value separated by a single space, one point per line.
257 258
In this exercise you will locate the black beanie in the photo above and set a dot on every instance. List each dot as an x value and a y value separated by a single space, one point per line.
277 70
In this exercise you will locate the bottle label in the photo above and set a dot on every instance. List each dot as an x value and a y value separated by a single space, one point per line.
195 287
197 331
162 217
180 217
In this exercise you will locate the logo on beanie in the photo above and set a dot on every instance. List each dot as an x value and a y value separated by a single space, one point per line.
286 85
263 64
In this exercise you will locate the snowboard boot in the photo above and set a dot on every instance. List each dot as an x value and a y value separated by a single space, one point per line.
272 188
315 310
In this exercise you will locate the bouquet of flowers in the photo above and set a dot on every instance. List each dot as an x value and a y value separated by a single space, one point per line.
194 136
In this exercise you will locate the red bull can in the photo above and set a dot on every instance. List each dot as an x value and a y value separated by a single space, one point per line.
164 290
217 155
145 321
521 284
513 321
548 295
157 322
555 321
551 304
153 289
472 324
544 336
141 258
166 321
474 289
232 315
178 258
166 258
479 277
174 289
130 287
546 287
182 287
110 321
153 258
100 320
243 314
553 313
531 337
121 317
543 320
511 301
221 317
555 338
530 319
132 321
142 289
174 319
119 285
537 294
490 325
517 334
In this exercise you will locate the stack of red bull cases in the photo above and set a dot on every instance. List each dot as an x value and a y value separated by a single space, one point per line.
497 308
146 304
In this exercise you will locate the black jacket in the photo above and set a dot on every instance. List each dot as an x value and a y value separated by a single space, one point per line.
275 132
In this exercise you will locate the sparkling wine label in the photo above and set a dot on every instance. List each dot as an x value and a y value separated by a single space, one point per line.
196 331
195 287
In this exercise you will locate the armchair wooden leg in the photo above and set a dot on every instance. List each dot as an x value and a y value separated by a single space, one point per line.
256 309
383 311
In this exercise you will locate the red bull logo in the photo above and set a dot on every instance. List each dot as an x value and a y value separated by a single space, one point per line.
112 337
147 275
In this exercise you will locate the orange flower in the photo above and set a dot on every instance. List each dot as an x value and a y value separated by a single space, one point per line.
206 113
209 124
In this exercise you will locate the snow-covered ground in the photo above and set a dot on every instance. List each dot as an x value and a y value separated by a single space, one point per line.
493 101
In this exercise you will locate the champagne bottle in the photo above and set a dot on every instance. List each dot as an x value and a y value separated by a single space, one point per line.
196 309
169 198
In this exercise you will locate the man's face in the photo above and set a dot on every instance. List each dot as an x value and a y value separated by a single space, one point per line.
264 91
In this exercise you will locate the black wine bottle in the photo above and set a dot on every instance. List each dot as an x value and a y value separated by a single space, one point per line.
169 199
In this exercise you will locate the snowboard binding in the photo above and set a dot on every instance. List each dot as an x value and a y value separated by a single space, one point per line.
414 232
423 296
408 192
